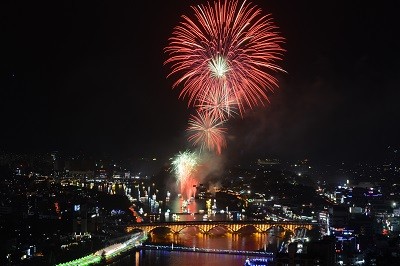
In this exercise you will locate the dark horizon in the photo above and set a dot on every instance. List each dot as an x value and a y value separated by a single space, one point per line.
90 77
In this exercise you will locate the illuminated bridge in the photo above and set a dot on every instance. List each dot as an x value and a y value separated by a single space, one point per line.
230 226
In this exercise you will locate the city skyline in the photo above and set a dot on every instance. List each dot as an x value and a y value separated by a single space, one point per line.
90 77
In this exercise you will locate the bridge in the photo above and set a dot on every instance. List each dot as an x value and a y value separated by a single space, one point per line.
230 226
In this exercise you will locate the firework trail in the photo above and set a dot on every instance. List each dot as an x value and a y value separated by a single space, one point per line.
207 131
228 45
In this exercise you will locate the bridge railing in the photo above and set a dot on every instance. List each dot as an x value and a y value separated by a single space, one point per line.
227 222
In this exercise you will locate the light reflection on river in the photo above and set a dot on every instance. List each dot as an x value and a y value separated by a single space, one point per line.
218 238
190 237
167 258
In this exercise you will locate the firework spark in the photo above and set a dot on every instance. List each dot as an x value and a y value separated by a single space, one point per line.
184 166
228 46
207 131
220 104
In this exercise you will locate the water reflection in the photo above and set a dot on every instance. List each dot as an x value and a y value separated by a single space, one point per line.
166 258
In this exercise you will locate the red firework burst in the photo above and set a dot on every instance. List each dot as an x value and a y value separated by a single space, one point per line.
207 131
229 45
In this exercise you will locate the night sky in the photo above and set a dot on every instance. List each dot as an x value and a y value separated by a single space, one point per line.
89 76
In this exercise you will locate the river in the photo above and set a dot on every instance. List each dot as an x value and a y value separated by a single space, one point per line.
218 238
167 258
